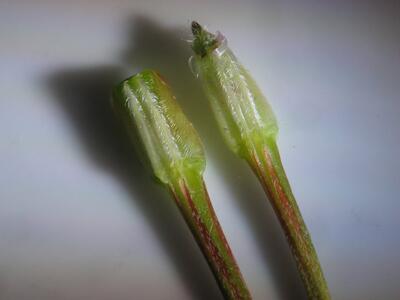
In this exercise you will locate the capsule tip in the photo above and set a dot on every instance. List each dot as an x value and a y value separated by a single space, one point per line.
196 28
204 41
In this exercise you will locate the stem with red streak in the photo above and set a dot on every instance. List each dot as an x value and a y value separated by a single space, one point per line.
154 120
192 199
249 127
266 164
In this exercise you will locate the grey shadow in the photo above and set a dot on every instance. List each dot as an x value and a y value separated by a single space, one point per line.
164 49
84 95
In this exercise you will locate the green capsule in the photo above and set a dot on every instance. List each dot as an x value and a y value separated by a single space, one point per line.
170 142
173 148
250 130
242 112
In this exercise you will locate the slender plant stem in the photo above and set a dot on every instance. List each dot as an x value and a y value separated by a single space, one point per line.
171 146
266 164
192 199
249 128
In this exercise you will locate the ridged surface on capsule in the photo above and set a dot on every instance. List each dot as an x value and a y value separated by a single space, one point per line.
173 148
149 109
249 128
242 112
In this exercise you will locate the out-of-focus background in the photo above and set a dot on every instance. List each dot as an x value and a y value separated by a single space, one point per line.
81 219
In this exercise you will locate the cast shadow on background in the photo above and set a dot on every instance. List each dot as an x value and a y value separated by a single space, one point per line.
84 94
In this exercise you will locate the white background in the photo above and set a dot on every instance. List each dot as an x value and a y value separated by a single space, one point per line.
81 219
